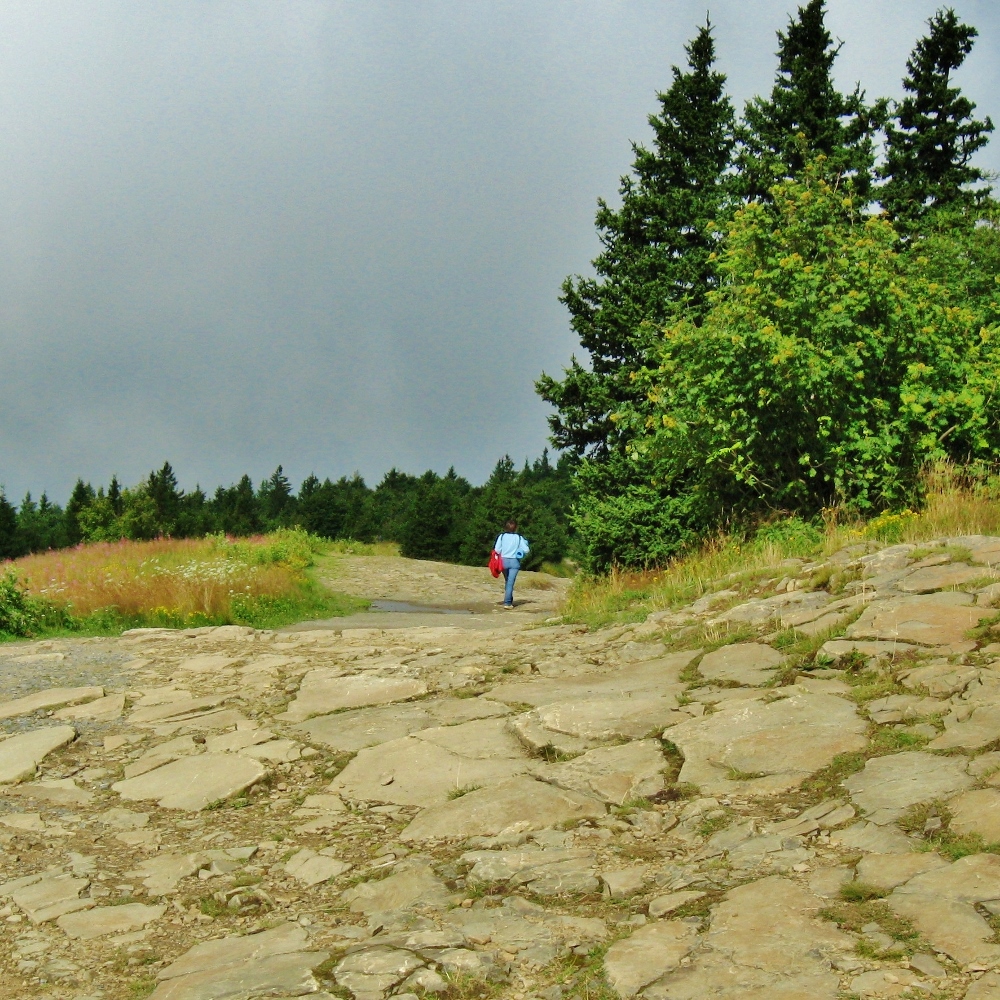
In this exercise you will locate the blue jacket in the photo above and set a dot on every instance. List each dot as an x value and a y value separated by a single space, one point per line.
511 545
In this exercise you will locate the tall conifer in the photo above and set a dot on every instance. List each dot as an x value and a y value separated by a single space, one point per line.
932 135
657 251
115 496
81 498
166 495
806 115
10 543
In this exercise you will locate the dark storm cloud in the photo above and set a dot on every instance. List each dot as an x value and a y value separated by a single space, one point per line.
330 235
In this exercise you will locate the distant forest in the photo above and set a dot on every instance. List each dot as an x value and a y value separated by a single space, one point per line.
430 516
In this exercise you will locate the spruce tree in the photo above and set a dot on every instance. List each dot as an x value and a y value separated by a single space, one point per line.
657 252
81 497
10 543
806 115
434 524
237 508
276 496
29 525
162 486
932 135
115 496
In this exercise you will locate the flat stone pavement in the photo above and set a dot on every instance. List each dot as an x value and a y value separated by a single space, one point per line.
785 791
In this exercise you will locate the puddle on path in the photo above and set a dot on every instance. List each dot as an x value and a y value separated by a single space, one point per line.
403 607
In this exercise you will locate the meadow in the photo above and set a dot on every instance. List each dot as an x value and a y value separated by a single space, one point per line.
101 588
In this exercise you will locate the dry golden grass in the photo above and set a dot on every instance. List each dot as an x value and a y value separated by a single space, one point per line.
957 501
178 578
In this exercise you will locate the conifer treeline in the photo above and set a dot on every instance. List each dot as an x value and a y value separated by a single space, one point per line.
431 516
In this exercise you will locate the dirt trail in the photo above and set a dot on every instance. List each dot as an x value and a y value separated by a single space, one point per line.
439 584
518 809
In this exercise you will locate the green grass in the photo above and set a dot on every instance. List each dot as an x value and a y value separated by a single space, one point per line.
886 741
735 774
582 976
349 547
872 685
566 569
827 782
946 842
457 793
211 907
853 915
709 826
311 602
861 892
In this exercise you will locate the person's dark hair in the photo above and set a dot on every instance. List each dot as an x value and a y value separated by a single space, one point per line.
510 526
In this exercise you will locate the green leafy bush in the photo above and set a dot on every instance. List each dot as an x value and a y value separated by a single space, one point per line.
830 369
293 547
792 535
18 615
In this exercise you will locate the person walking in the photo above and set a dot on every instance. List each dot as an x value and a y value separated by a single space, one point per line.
512 548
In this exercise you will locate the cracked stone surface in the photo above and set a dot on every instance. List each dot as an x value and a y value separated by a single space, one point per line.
941 905
932 620
109 920
521 802
53 698
769 746
326 690
978 812
613 774
748 663
193 782
647 955
474 804
418 772
889 785
932 578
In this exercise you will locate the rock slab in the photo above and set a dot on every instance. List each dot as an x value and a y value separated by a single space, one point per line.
52 698
749 663
324 690
652 951
941 905
109 920
889 785
613 774
20 755
272 963
191 783
524 802
934 620
769 747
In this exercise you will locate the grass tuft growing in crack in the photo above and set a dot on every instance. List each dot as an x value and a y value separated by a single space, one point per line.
931 820
852 916
457 793
861 892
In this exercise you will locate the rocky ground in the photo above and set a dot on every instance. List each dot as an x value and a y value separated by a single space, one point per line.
787 790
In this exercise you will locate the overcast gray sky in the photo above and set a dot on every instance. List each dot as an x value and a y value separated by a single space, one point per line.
332 234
